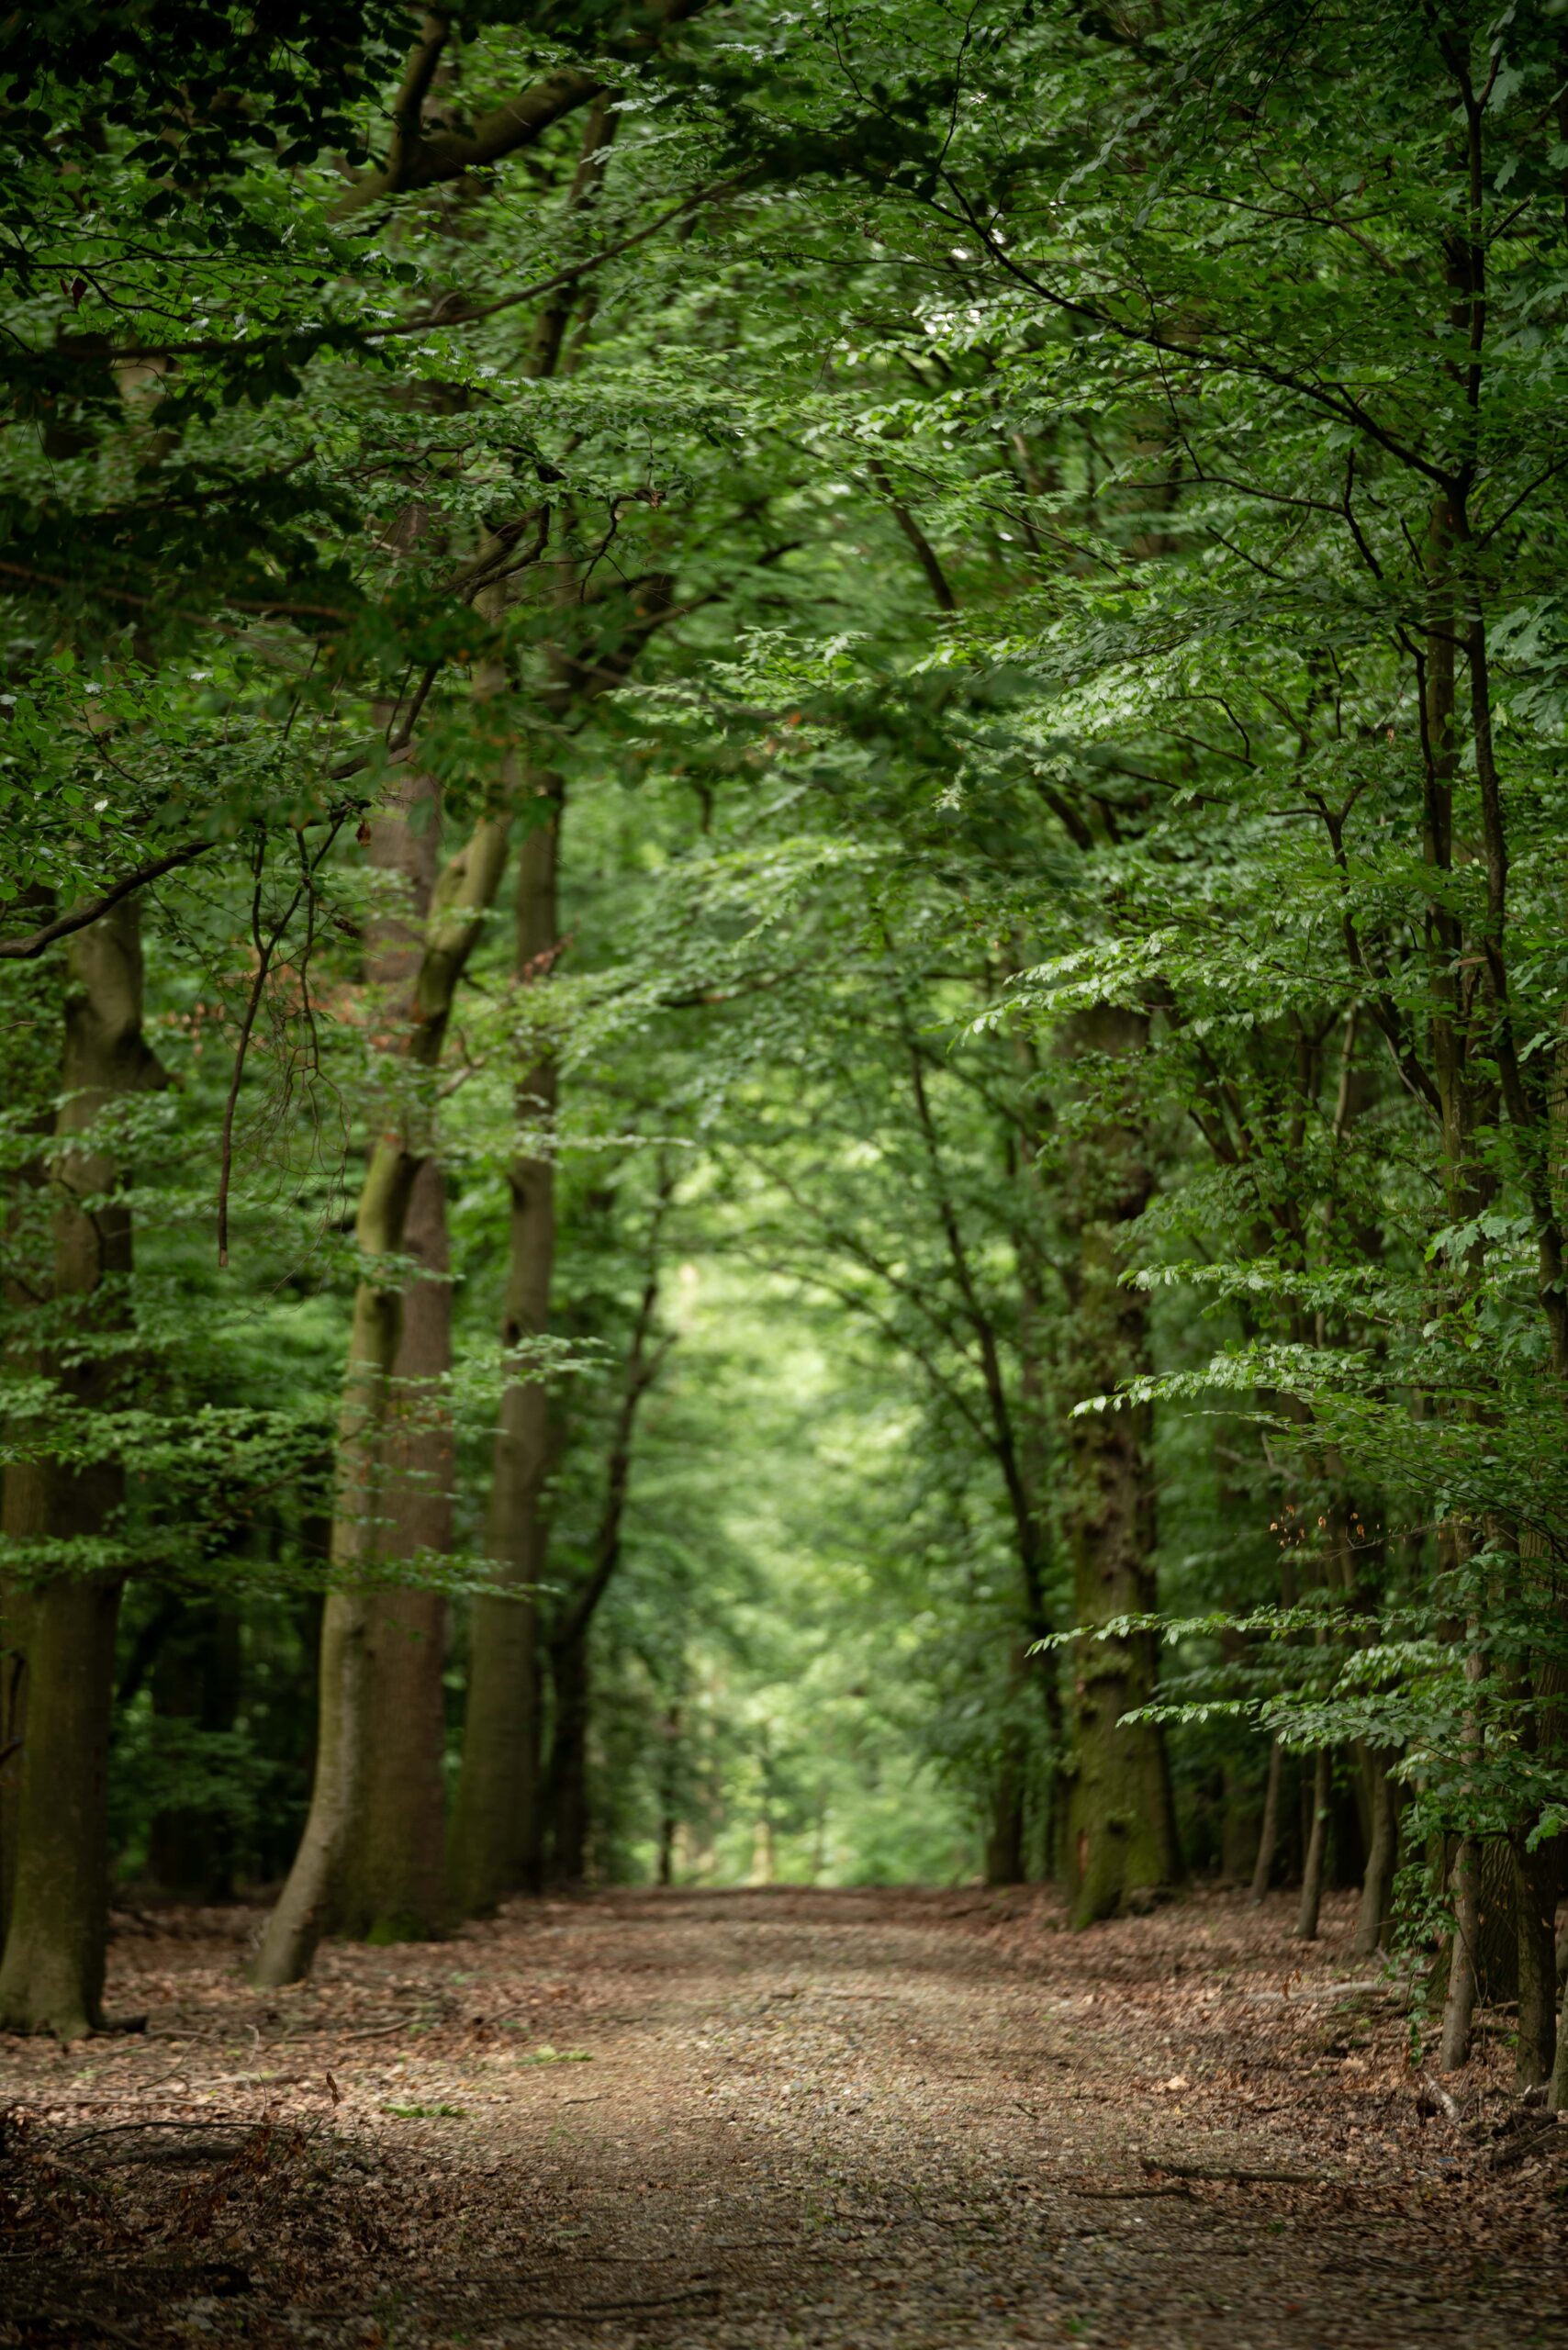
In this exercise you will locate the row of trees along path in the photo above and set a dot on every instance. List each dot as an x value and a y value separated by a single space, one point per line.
989 1223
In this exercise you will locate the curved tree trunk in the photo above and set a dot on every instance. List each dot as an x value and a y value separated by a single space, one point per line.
52 1974
566 1808
306 1906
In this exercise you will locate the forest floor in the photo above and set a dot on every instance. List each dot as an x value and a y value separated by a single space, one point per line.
741 2121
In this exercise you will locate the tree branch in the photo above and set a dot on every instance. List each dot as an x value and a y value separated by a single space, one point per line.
26 950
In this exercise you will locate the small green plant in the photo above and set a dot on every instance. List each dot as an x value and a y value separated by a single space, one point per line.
426 2112
548 2055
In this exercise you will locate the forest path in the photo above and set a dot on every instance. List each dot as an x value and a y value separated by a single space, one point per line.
854 2121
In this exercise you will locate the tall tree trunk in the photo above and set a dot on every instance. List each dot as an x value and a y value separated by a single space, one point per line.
25 1488
566 1804
1535 1913
394 1887
52 1974
1481 1899
494 1844
1121 1828
396 1873
1315 1866
1558 2097
314 1887
24 1517
1372 1917
1459 2004
568 1794
1006 1840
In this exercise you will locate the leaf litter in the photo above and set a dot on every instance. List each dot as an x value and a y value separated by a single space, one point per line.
858 2120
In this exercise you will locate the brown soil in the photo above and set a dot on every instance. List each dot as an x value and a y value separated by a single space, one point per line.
740 2120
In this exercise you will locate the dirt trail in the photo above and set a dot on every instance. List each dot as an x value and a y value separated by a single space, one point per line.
746 2119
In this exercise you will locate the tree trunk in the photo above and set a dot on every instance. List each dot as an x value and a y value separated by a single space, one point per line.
1121 1820
1557 2098
567 1804
53 1973
1269 1833
1006 1841
1374 1916
314 1887
1315 1865
1459 2005
395 1871
396 1866
1535 1909
23 1516
495 1845
25 1488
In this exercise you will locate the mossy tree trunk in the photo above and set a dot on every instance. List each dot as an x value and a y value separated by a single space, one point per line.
52 1974
314 1889
1121 1822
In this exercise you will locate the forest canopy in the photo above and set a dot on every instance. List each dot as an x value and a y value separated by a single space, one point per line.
784 955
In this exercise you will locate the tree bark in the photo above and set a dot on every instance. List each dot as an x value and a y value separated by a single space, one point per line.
1535 1916
1268 1832
395 1864
567 1794
1374 1916
494 1844
314 1886
1314 1868
24 1506
1121 1822
567 1804
1557 2098
52 1974
1006 1841
395 1871
1459 2005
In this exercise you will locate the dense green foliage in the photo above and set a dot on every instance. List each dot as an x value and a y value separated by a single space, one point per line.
1000 571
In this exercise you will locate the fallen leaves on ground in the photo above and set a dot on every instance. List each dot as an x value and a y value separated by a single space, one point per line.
848 2119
